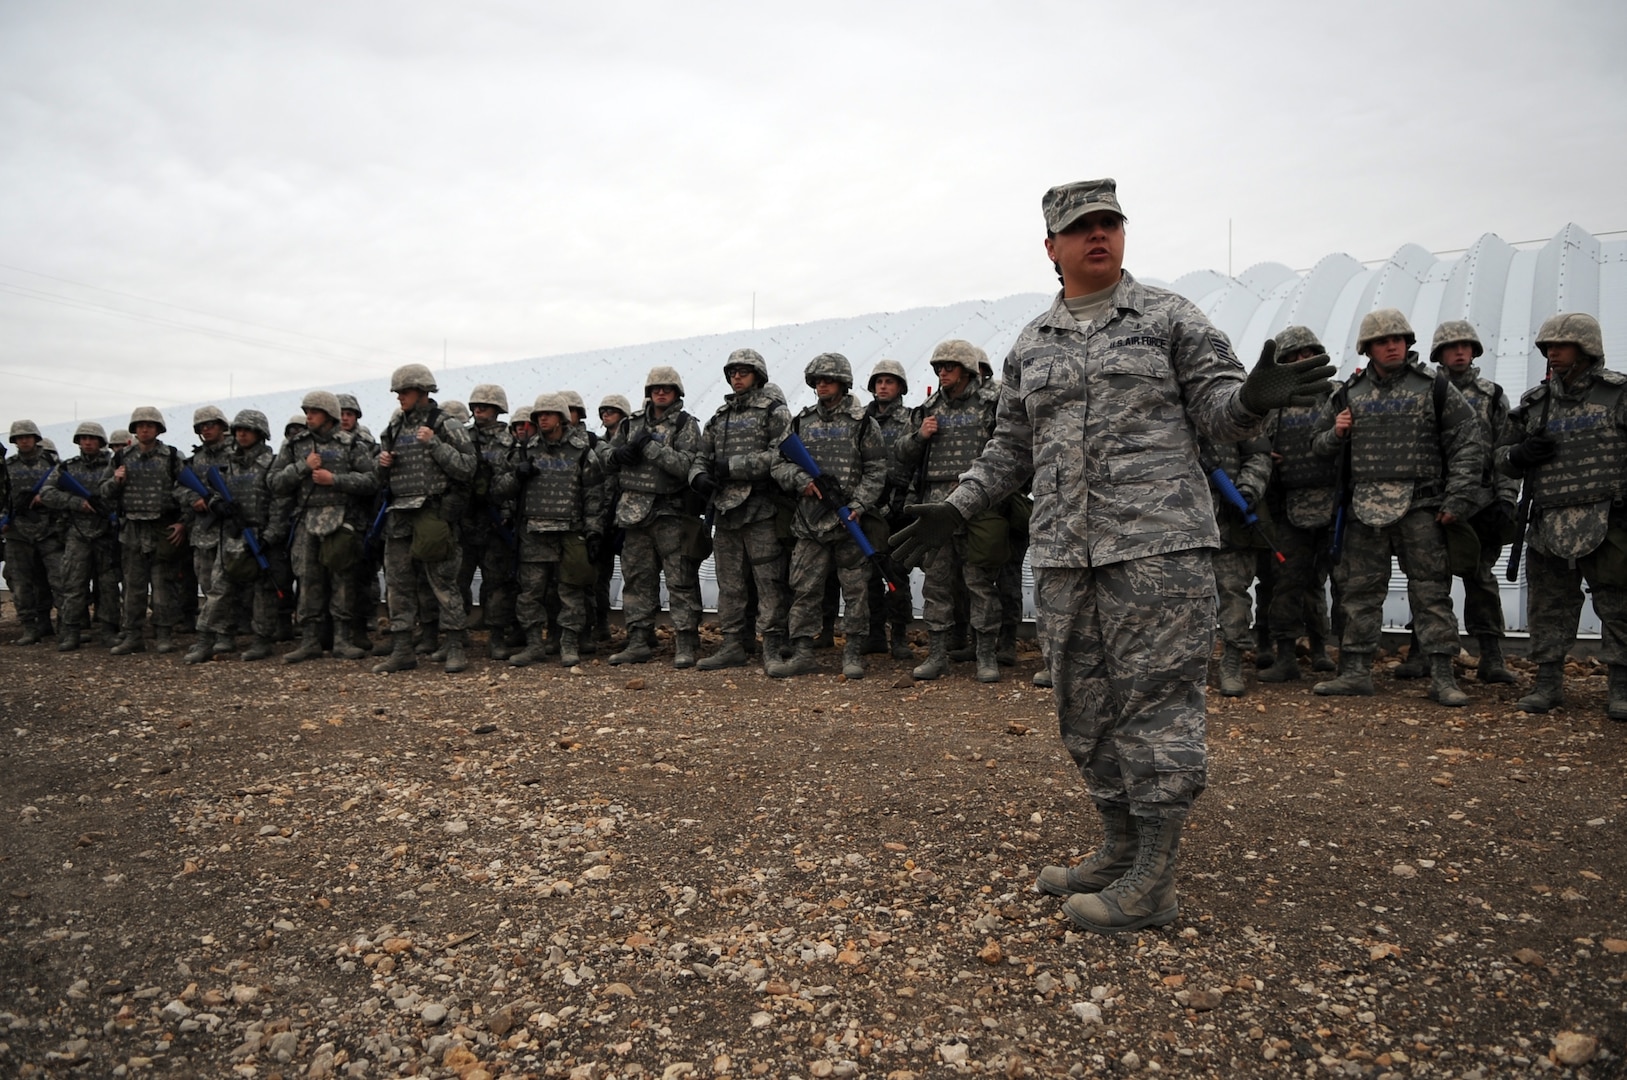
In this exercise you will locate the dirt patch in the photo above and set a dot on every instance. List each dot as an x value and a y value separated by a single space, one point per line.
263 870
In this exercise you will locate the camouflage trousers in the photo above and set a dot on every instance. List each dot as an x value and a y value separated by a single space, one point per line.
321 591
1555 606
599 593
1482 598
811 564
946 567
497 563
1010 582
36 576
895 608
1234 573
143 571
401 580
224 603
751 551
1363 578
90 561
540 558
647 551
1128 646
1299 596
205 565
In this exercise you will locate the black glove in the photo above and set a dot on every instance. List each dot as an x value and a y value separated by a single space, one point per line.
1506 512
703 484
1276 386
221 508
627 455
524 469
720 469
935 525
1534 450
595 544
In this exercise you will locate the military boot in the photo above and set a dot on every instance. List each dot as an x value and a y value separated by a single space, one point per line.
1042 677
164 639
439 653
344 648
1284 665
773 652
901 643
732 654
570 648
1549 692
403 657
1616 707
827 634
988 656
1443 683
258 649
586 645
1492 669
225 643
1416 665
1109 862
533 650
496 647
853 657
31 635
68 640
1320 660
875 641
639 649
1005 649
428 642
1231 671
202 649
686 646
310 644
937 656
961 646
1145 894
129 642
1263 656
384 646
456 644
1355 677
801 661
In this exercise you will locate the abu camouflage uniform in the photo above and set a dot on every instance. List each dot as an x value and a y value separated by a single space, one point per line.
238 579
1482 597
148 507
1301 501
203 528
561 501
653 510
746 432
1248 464
315 511
846 445
889 606
90 545
33 539
424 478
488 538
1406 465
1102 417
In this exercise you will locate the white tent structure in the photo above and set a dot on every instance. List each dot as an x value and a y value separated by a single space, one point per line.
1505 290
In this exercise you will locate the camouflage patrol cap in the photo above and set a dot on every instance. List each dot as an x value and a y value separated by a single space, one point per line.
348 403
253 420
208 414
92 429
120 437
1385 322
829 365
146 414
1067 203
1576 328
489 394
618 402
23 427
412 377
662 375
888 367
956 351
750 358
554 403
1452 332
457 410
325 400
1291 339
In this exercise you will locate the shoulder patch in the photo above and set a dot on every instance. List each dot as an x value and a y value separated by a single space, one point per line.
1222 347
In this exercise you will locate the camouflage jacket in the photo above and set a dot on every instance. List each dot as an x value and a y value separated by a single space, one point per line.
321 509
893 421
658 486
847 447
1248 465
30 522
202 526
421 473
1102 417
965 423
492 492
90 470
1490 403
747 429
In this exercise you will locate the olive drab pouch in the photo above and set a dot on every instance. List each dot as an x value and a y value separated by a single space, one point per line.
877 531
432 536
574 565
163 550
1019 509
1610 558
341 549
237 561
697 539
988 540
1462 548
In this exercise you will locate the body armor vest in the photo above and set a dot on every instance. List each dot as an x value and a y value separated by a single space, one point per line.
965 425
743 426
1395 435
1300 467
91 472
1591 465
1482 396
148 492
413 471
335 449
493 446
833 441
247 473
646 477
24 475
205 527
552 497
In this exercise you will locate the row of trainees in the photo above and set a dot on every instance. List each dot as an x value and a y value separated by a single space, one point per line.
1435 468
541 506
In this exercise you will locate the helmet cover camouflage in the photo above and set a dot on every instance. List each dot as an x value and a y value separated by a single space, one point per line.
348 403
956 351
146 414
208 414
1291 339
888 367
92 429
489 394
325 400
751 358
1453 331
23 427
253 420
618 402
413 377
829 365
1573 327
1385 322
662 375
554 402
457 410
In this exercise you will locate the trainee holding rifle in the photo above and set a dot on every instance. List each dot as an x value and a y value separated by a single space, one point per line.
90 541
1238 474
142 490
487 534
32 532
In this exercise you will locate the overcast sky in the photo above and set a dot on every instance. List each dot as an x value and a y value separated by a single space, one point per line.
204 197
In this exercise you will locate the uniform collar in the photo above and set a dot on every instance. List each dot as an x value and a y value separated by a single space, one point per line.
1128 295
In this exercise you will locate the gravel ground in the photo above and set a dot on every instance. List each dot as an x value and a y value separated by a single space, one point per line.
262 870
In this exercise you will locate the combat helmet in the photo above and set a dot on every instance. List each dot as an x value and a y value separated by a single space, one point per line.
146 414
457 410
348 403
293 426
1452 332
618 402
24 427
413 377
574 400
208 414
752 359
326 400
91 428
662 375
1291 339
1383 323
964 353
1573 327
554 402
120 437
254 420
829 365
488 394
888 367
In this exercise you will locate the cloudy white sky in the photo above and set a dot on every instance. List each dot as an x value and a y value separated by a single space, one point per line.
198 198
